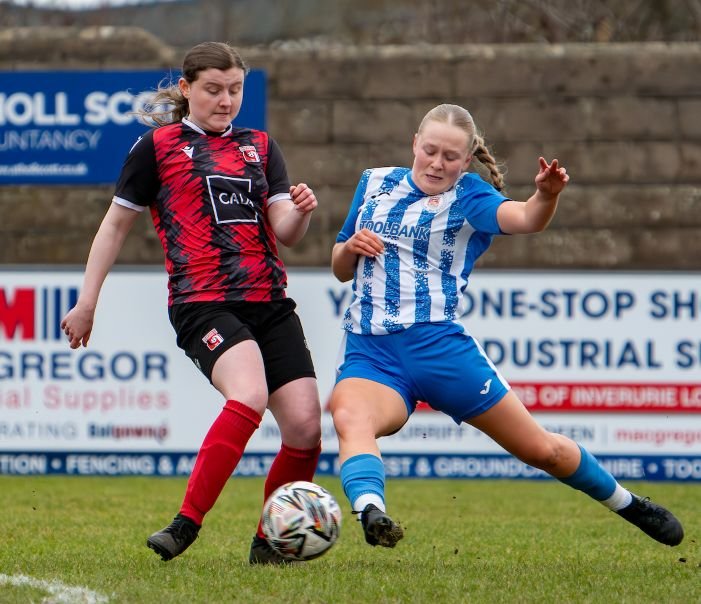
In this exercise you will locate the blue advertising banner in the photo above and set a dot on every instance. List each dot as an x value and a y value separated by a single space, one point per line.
409 465
76 127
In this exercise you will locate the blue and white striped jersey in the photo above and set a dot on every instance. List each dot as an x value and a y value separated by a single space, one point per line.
431 245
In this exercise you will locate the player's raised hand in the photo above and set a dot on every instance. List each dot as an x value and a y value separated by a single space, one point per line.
551 178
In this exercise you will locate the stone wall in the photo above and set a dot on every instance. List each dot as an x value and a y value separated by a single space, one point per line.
624 119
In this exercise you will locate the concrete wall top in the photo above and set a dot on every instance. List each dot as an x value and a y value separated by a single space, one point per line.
624 118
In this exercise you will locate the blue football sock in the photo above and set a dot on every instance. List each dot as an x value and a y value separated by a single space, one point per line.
361 475
591 478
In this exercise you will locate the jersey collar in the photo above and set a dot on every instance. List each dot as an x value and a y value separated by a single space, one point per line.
416 188
196 128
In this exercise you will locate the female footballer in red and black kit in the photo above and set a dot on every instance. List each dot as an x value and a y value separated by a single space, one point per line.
219 197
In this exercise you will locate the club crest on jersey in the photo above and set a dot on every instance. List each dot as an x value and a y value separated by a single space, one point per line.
249 153
213 338
433 203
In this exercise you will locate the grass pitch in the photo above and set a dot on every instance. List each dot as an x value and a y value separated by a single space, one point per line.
465 541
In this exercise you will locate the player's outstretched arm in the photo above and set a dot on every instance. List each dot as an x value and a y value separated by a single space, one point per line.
77 324
535 214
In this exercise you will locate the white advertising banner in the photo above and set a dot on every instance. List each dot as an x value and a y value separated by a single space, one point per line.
611 360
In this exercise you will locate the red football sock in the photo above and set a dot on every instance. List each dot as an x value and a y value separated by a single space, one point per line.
218 457
290 464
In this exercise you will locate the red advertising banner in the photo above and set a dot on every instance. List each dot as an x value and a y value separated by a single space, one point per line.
607 397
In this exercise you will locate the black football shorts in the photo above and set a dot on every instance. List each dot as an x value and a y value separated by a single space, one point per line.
205 330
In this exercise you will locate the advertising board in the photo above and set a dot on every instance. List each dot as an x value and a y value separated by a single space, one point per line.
610 360
76 127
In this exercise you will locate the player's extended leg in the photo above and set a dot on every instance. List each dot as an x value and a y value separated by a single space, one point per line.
362 411
297 411
239 375
511 425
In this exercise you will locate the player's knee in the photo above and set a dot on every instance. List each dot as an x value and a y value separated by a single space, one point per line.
347 420
299 422
546 455
342 418
307 432
251 393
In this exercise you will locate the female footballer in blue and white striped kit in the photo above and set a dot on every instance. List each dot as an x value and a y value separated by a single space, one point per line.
409 243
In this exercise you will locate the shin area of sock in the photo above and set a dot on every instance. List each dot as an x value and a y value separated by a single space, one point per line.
218 457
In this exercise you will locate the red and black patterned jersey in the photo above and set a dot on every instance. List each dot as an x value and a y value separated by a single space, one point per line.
209 196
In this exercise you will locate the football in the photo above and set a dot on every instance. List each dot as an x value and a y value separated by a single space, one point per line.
301 520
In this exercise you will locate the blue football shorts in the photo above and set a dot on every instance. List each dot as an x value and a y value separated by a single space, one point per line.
436 363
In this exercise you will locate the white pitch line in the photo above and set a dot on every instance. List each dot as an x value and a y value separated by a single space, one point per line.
60 593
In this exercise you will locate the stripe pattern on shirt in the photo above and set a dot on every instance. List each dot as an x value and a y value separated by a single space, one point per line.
431 245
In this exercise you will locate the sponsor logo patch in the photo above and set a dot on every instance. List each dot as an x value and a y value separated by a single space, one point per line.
230 199
212 338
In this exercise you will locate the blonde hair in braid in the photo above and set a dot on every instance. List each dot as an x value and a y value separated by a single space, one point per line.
460 117
483 156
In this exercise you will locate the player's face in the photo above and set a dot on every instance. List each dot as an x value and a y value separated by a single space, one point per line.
441 155
215 97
